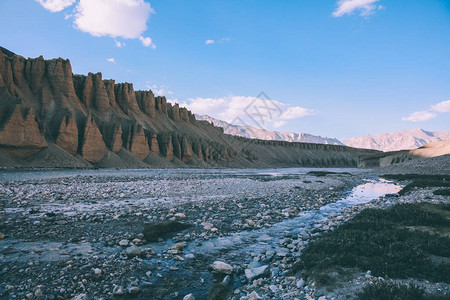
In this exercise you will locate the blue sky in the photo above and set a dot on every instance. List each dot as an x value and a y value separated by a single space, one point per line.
337 68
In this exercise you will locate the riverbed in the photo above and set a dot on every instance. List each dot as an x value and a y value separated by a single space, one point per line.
67 233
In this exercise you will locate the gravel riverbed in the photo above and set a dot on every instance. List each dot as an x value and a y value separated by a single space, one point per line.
66 234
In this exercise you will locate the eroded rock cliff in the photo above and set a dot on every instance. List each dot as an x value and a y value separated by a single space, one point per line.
43 103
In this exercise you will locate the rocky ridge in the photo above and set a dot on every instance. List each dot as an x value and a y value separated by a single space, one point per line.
48 113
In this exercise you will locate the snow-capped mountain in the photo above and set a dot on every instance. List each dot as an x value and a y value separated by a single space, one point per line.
400 140
258 133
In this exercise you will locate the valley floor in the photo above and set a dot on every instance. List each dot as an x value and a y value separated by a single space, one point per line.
79 233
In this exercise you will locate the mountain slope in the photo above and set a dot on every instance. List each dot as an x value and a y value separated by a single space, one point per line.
401 140
262 134
50 117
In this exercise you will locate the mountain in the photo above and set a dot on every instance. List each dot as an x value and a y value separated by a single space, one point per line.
50 117
262 134
401 140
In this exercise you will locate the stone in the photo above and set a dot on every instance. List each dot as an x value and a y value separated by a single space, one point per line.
179 215
38 293
97 271
256 273
221 267
253 296
189 297
300 283
133 290
133 251
178 246
123 243
118 291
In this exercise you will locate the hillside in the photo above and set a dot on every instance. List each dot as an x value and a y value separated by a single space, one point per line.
50 117
401 140
262 134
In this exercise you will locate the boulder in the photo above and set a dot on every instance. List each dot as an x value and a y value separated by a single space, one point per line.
221 267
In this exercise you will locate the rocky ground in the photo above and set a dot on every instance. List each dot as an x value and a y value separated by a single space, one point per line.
79 233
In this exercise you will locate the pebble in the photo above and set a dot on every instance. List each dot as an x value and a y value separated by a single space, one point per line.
133 251
118 291
221 267
124 243
189 297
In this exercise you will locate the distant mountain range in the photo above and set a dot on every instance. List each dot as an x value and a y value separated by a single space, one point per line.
262 134
401 140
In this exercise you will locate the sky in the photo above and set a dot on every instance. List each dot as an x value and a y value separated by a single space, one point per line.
336 68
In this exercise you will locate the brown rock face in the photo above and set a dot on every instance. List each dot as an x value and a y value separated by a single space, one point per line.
67 137
146 102
93 147
166 146
184 114
175 114
116 144
176 146
126 97
92 91
161 104
20 135
198 149
187 154
154 145
139 144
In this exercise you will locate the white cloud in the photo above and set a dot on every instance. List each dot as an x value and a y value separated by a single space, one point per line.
443 106
119 44
159 90
295 113
147 42
241 108
220 41
420 116
429 114
111 60
347 7
114 18
55 5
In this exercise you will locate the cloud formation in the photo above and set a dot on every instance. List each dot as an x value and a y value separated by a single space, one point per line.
443 106
113 18
220 41
147 42
55 5
348 7
425 115
112 60
242 109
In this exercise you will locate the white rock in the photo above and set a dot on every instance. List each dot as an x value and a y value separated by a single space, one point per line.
97 271
133 290
221 267
256 272
123 243
189 297
178 246
180 215
207 225
133 251
38 293
300 283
